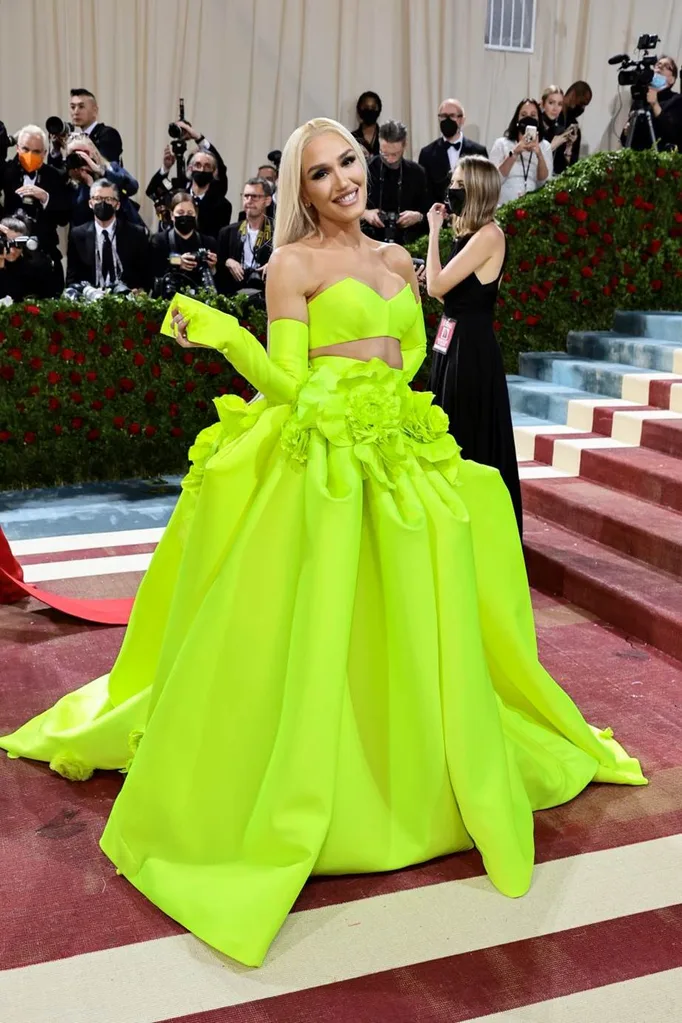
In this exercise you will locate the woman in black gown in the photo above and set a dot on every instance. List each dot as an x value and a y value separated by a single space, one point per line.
467 372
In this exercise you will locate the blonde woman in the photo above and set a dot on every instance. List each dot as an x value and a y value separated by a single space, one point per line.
84 164
552 105
331 665
467 375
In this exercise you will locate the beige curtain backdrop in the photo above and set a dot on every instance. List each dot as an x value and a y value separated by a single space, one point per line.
251 70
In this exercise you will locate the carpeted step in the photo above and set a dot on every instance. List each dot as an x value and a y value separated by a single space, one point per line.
613 379
607 346
627 524
642 601
641 472
664 325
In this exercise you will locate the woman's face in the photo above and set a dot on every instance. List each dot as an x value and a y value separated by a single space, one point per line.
457 179
333 179
527 110
182 210
553 105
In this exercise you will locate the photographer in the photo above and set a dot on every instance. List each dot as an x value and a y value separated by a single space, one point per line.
368 109
107 251
84 113
23 274
31 187
522 156
397 196
245 248
174 250
659 95
205 179
84 164
576 100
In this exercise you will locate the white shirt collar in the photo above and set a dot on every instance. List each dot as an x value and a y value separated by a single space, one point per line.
89 131
111 228
455 139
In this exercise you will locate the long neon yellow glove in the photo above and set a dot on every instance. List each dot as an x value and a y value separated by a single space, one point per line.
413 345
277 373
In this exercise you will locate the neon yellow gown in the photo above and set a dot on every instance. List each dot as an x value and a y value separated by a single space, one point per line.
331 664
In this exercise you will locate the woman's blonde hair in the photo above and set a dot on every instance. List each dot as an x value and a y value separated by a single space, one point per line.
550 91
482 183
79 139
294 220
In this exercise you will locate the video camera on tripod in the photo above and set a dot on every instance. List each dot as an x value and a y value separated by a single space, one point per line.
638 75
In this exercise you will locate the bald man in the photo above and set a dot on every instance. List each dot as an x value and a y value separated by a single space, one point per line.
440 157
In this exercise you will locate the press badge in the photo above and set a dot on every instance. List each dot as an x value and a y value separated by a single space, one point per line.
444 334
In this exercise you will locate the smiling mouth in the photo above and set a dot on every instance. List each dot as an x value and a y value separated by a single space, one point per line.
348 199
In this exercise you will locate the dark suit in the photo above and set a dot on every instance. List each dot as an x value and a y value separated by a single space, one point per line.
434 160
107 140
47 220
132 247
30 276
231 246
668 125
388 193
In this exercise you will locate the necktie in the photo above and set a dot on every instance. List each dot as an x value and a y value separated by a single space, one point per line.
108 271
455 145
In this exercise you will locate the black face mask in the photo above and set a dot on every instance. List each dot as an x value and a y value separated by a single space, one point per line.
578 111
185 223
103 211
457 198
449 127
527 122
202 178
368 115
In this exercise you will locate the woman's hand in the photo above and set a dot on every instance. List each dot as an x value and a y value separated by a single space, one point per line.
188 261
180 325
436 216
522 146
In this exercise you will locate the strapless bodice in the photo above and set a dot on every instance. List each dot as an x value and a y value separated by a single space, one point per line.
350 310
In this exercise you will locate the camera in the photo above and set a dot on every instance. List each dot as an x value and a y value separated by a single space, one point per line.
179 145
55 126
24 241
637 74
390 222
203 266
86 292
275 158
74 161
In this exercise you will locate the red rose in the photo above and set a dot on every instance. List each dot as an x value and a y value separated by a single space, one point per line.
607 290
524 266
660 172
631 288
166 352
123 324
15 321
126 384
581 232
53 349
150 397
619 200
139 316
214 368
53 404
7 372
76 397
97 405
595 261
173 410
80 358
92 334
107 328
134 428
139 359
593 227
57 429
29 437
587 271
149 431
152 328
156 370
93 434
511 230
128 344
656 285
520 214
91 375
221 390
5 435
146 341
532 320
190 386
562 238
75 377
517 315
607 239
27 334
56 336
188 357
200 367
34 310
105 351
201 404
53 378
524 297
15 353
589 200
60 316
507 280
176 431
655 246
580 215
68 354
75 314
34 390
76 423
539 260
109 392
36 363
562 198
119 422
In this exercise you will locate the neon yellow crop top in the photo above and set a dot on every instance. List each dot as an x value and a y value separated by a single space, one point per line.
334 319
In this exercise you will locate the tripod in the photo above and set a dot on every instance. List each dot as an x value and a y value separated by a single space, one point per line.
641 114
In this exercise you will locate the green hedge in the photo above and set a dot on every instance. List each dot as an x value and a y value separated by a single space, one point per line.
605 235
92 392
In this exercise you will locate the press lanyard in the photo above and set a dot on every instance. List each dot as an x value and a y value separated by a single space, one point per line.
526 170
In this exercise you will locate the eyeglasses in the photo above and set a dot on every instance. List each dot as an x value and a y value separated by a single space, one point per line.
252 195
664 66
457 117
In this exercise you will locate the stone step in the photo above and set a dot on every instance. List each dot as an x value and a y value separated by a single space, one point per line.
542 400
664 325
645 353
627 524
613 380
640 600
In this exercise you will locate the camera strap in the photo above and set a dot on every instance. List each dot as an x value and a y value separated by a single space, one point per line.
381 185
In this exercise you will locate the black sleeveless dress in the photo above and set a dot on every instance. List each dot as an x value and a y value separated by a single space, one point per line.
469 382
